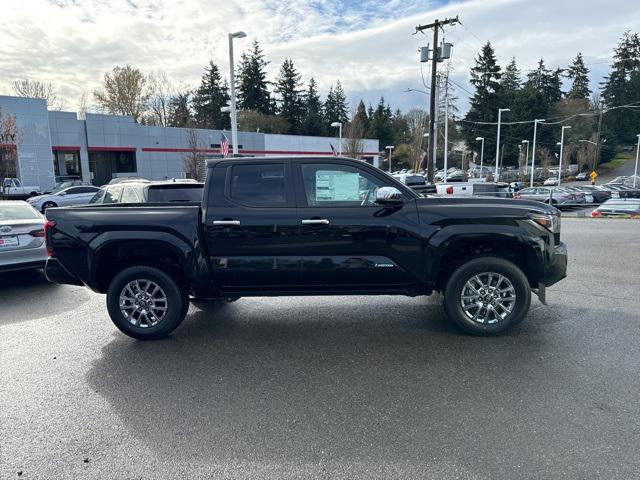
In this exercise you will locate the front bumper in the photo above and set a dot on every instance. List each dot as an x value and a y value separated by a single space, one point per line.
556 269
56 273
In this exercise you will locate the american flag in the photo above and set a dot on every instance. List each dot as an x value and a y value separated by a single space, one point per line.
224 146
333 150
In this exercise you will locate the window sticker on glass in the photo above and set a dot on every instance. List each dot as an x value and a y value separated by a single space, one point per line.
335 185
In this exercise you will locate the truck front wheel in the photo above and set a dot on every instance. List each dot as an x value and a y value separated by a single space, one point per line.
487 295
146 303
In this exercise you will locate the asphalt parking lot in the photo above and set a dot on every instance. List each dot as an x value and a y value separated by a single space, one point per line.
328 387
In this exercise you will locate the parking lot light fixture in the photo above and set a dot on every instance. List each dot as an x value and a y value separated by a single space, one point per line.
564 127
533 150
481 139
635 172
234 117
526 157
338 125
497 174
390 148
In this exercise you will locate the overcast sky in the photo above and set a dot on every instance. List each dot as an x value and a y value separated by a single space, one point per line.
367 44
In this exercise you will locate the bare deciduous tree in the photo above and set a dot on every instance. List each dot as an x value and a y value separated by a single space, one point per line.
193 158
353 144
83 107
9 139
124 92
161 93
38 89
417 124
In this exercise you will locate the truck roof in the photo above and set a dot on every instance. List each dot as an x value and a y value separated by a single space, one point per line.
211 162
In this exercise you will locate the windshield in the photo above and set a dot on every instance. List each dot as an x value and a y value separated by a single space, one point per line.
18 211
178 193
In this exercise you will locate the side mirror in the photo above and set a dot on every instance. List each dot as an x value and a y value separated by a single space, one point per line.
389 197
62 193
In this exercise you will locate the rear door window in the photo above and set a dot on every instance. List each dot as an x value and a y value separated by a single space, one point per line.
112 195
258 185
130 195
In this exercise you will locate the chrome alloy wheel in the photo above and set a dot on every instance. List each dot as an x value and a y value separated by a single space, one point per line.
143 303
488 298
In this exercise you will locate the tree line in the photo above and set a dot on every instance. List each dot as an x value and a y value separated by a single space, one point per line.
540 95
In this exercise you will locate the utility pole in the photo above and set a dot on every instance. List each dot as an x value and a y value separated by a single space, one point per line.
595 160
436 128
446 120
436 25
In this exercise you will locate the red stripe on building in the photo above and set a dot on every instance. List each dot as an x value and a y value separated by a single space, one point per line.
67 148
112 149
180 150
8 146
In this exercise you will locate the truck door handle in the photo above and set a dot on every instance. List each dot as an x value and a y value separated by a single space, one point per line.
315 221
226 222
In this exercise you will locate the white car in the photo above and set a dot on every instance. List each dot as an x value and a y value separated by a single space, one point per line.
13 189
22 244
78 195
551 181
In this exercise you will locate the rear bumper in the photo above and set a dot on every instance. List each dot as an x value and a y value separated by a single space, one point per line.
56 273
557 268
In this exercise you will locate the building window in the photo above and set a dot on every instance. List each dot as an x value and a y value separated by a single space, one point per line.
124 162
67 163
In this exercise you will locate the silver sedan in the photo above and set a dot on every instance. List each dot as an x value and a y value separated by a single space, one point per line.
21 237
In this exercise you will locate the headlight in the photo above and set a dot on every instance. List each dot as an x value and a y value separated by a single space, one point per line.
549 221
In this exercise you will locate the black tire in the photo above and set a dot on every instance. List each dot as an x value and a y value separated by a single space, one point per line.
46 205
454 289
177 302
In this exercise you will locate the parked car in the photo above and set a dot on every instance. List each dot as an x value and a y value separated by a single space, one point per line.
22 244
618 207
308 226
66 184
80 195
12 189
553 196
410 179
621 191
598 194
580 196
117 180
486 189
551 181
582 177
149 192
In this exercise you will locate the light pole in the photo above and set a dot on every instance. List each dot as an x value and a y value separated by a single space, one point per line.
234 118
497 174
635 172
564 127
338 125
424 135
533 151
526 158
390 148
481 139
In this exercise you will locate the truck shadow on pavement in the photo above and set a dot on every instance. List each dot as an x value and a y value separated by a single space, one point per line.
296 382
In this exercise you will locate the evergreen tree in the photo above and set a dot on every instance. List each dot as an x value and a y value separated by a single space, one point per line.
380 124
335 106
253 87
180 114
485 77
290 102
578 73
312 120
510 82
211 95
622 87
400 128
361 114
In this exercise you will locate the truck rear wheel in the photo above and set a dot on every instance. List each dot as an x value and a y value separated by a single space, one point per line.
146 303
487 295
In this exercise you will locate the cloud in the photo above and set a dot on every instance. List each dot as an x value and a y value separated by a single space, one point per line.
369 45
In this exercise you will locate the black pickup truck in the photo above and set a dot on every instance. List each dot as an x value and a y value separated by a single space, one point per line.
281 226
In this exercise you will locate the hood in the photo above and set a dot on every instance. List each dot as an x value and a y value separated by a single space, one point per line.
497 204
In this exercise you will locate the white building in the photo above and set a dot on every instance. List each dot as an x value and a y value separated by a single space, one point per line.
55 144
